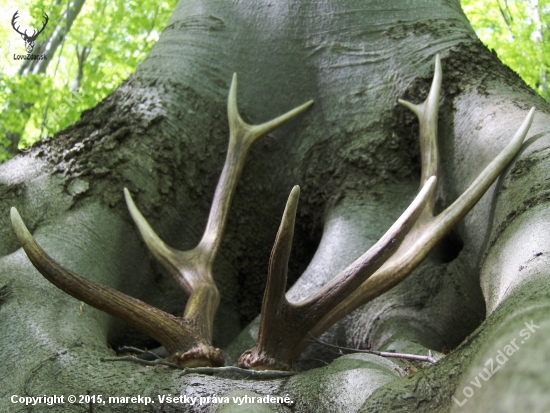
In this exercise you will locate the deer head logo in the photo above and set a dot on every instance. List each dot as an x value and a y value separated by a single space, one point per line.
29 40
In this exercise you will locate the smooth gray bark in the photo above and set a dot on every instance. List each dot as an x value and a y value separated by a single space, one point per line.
163 134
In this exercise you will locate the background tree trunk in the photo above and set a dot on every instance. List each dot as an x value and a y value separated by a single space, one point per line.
163 134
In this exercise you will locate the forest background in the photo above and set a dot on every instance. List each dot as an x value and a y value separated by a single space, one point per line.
93 46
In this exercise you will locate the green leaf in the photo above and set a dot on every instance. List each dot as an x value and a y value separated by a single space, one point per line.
34 106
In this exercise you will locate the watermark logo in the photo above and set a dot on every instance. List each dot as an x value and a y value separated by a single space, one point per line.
52 121
29 39
501 358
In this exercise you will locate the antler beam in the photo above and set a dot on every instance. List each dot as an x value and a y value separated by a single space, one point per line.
187 338
429 229
171 331
193 268
284 326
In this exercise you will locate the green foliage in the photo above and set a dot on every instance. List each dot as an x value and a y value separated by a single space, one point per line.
119 35
518 30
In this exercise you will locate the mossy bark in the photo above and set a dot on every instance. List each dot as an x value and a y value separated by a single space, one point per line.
163 134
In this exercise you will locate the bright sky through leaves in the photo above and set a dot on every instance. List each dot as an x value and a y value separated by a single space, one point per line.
119 34
518 30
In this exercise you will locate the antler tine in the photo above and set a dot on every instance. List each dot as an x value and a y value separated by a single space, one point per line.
427 113
429 230
193 268
175 335
274 294
283 326
13 22
166 255
241 138
349 279
43 24
475 191
189 339
184 264
248 134
327 306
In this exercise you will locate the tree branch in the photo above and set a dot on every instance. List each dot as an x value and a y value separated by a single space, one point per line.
427 359
268 374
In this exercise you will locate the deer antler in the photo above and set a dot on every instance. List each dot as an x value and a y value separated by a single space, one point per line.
24 34
173 332
284 326
188 339
43 25
13 20
29 40
429 229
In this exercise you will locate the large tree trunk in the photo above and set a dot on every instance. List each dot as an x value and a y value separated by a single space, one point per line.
163 134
